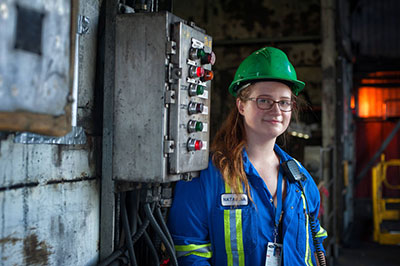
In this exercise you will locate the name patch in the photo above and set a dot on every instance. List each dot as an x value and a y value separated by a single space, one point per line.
234 200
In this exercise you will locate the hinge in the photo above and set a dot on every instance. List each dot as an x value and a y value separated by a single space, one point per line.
171 47
83 25
170 96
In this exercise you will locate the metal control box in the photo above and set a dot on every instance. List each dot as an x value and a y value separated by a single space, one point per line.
161 98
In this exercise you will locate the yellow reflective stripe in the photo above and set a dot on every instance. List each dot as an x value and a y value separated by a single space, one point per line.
227 231
192 249
227 188
233 233
200 254
307 257
239 236
322 232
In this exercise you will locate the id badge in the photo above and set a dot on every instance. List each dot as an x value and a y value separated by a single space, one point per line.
274 254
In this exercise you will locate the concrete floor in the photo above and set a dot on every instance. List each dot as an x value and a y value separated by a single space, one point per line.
369 254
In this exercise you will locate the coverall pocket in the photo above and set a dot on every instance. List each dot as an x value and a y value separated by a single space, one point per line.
301 232
235 229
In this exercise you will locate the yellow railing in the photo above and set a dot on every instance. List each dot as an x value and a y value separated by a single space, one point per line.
380 211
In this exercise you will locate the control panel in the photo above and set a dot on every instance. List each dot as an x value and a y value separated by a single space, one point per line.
161 101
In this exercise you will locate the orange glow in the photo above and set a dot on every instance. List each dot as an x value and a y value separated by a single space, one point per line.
384 74
379 81
381 100
352 102
378 102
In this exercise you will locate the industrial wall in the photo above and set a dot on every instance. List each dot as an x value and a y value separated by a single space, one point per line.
50 193
49 204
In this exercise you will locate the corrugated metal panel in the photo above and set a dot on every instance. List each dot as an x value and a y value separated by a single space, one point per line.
375 28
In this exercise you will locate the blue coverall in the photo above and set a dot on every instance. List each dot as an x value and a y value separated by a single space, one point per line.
207 233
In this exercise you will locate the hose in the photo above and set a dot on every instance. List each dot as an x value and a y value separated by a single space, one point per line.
133 211
125 224
150 244
158 230
164 227
140 231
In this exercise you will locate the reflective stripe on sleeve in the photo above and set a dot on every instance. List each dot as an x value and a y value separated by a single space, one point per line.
233 235
322 232
192 249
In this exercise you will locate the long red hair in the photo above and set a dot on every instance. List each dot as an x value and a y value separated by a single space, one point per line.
227 148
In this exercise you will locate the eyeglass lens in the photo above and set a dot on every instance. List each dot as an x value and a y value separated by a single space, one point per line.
266 104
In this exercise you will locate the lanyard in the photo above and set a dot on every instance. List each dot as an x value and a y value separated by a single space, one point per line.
278 209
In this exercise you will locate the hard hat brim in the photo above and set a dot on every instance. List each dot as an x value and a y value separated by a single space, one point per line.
295 85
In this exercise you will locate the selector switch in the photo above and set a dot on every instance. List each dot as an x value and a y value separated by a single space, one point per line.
194 144
195 126
195 90
195 108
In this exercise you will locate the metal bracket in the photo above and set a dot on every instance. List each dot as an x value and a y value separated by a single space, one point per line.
197 44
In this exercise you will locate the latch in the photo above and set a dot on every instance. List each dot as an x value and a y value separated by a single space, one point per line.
169 146
174 73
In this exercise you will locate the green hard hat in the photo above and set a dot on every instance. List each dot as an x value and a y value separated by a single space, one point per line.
268 63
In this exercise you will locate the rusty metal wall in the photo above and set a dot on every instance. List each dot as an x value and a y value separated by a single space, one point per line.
50 194
49 204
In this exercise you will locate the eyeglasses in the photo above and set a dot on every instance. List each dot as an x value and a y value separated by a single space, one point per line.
265 103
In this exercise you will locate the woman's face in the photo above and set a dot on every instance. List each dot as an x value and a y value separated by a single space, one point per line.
265 124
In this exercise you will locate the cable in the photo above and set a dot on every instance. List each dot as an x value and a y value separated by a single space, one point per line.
150 244
158 230
163 225
133 210
313 227
141 230
125 224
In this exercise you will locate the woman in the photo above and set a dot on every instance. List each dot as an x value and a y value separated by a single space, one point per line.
243 209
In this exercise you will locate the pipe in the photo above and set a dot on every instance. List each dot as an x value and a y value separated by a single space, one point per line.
158 230
125 224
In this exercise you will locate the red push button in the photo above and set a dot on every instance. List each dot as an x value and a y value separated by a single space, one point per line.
194 145
196 72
